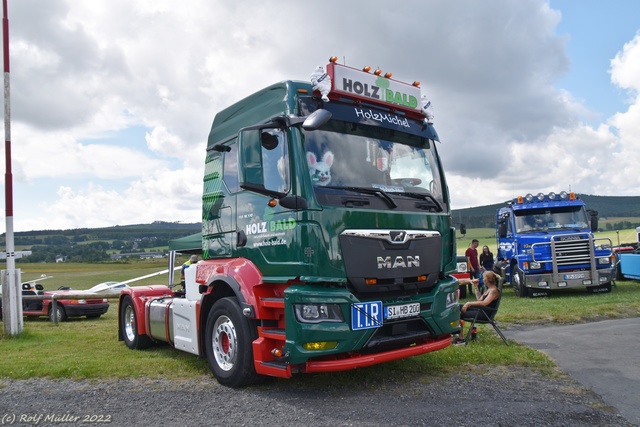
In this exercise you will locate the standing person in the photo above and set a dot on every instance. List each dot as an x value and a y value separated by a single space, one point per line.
192 260
486 259
486 263
474 266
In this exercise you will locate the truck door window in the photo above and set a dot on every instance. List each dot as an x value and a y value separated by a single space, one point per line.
275 161
265 159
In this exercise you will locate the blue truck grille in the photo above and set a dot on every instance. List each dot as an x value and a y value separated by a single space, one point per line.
572 252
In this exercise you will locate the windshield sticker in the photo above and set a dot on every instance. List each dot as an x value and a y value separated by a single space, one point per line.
382 117
388 188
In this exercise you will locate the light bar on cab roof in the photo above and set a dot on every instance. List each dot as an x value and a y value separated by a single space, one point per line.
540 197
339 82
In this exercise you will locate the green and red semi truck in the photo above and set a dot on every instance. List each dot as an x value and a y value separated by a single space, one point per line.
327 237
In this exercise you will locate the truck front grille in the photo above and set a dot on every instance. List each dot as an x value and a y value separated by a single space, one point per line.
572 252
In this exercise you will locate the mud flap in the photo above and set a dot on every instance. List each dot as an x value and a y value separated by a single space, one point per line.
538 293
599 289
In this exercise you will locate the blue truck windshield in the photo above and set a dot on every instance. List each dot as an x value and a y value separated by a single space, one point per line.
561 218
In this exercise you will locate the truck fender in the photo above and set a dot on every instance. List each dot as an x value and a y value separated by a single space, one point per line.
140 295
229 277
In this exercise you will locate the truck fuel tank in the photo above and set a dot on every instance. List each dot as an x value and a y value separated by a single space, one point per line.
161 319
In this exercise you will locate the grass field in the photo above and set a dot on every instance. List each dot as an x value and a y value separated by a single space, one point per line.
89 349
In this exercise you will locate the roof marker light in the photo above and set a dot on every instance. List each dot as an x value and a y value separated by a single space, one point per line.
416 83
377 72
366 69
572 196
333 59
388 75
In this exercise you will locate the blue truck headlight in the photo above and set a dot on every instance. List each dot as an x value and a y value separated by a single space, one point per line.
604 260
316 313
534 265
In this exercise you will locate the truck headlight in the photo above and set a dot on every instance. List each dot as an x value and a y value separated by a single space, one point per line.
603 260
452 298
534 265
316 313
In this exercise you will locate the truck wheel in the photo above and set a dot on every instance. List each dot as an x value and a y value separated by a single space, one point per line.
60 314
129 326
619 275
228 344
517 277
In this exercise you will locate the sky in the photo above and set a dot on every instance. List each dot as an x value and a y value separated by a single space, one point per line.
112 100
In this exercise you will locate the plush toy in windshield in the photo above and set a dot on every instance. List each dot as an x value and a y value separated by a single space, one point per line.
320 170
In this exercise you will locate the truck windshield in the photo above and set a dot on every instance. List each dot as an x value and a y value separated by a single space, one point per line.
374 160
533 220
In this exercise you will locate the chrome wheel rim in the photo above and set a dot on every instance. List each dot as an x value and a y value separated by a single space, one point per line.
225 343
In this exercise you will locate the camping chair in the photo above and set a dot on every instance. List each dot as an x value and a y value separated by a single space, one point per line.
488 317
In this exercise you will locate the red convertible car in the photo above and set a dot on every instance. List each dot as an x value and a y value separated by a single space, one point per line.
90 307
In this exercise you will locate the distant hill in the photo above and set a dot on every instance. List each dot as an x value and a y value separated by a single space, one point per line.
607 207
158 230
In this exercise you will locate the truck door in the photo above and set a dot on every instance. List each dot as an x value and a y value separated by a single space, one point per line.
266 229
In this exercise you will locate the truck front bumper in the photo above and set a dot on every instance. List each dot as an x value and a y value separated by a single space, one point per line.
349 348
573 279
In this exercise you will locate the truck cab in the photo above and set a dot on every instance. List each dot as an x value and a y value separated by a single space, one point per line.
548 243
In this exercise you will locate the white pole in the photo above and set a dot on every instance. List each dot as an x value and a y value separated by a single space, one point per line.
11 294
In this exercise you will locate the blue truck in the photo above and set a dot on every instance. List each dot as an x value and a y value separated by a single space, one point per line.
548 243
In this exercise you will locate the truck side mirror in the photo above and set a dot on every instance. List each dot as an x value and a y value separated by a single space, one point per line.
594 224
502 230
316 119
463 229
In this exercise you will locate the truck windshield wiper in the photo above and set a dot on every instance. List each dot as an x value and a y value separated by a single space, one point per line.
368 190
422 196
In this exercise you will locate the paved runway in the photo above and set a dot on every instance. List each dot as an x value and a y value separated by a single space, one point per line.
604 356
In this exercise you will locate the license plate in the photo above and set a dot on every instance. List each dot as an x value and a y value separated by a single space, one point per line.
574 276
366 315
402 310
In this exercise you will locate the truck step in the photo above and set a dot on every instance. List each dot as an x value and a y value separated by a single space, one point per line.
273 302
274 333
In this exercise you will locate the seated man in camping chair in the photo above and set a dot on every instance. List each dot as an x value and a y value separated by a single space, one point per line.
484 309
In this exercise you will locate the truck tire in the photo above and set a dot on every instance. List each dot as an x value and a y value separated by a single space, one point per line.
619 275
517 278
59 313
228 344
129 326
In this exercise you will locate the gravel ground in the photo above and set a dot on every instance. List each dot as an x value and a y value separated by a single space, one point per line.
507 397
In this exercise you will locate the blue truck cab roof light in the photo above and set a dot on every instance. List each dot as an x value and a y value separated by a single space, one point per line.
541 197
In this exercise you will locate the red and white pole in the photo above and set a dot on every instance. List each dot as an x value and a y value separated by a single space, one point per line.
11 294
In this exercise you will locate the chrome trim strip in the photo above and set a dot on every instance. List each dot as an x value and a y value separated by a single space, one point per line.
391 236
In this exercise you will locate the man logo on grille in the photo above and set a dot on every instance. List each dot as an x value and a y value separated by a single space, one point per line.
397 236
